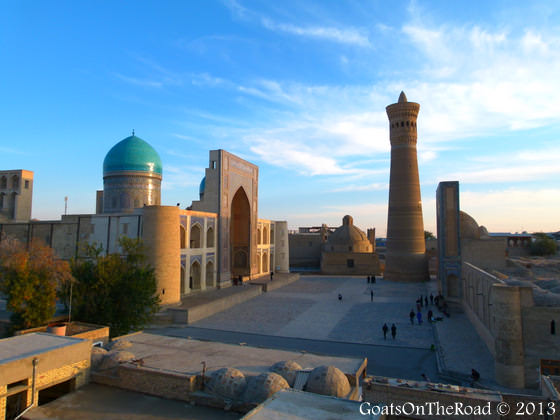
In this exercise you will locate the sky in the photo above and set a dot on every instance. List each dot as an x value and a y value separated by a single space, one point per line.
297 87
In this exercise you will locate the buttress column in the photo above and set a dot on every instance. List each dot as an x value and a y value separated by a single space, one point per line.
406 247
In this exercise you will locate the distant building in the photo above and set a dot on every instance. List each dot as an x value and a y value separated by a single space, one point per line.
515 318
217 239
16 192
342 250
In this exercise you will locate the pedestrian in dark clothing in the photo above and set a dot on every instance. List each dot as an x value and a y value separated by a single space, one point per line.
368 279
394 331
419 316
412 315
421 301
373 279
271 276
418 307
431 299
475 375
430 314
385 329
371 292
426 301
340 297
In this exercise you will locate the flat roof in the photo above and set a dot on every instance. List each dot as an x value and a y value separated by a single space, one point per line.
294 405
28 345
94 401
184 355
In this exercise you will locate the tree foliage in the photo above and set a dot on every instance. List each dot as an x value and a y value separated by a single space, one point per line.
428 235
118 290
543 245
30 279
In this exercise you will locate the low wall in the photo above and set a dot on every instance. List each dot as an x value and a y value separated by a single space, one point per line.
278 282
377 392
198 312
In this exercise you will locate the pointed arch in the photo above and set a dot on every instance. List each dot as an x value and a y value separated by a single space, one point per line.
210 237
183 233
195 275
209 274
265 263
240 233
265 235
195 238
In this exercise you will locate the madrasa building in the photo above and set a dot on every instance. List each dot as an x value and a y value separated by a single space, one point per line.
216 240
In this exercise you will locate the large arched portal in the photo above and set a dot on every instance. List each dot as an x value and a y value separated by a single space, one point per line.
240 234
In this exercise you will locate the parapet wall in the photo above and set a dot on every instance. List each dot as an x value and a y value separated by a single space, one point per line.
516 332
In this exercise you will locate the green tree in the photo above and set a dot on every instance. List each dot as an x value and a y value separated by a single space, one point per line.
428 235
543 245
118 290
30 279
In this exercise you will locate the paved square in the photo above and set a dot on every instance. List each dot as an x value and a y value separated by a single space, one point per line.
309 308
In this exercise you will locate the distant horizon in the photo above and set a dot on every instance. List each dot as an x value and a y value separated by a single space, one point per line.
298 89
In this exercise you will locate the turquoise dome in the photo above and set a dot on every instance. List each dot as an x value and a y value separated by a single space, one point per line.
132 154
202 186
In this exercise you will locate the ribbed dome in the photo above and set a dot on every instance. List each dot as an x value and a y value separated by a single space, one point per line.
132 154
348 237
347 234
468 226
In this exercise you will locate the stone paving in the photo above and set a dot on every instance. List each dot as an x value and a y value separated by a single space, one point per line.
309 308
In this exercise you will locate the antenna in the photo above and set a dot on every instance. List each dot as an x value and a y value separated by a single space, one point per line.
65 205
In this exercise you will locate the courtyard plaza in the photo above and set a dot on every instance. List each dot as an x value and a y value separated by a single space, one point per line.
308 315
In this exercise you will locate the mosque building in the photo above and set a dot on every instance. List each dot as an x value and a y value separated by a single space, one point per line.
215 240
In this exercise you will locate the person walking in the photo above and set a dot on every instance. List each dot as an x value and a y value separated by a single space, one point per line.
412 315
271 275
368 279
430 315
394 331
426 301
340 297
371 294
421 301
419 316
385 329
373 279
431 299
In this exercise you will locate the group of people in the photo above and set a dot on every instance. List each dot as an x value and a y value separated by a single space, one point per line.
385 329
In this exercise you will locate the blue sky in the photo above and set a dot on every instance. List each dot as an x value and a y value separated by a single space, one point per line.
296 87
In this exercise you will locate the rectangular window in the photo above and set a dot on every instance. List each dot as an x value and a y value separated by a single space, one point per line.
26 184
350 263
213 164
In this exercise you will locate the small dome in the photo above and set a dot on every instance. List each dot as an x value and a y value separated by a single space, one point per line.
263 386
287 369
228 383
347 236
132 154
468 226
328 380
202 186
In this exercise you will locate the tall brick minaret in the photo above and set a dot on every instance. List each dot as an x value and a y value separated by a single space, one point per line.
406 246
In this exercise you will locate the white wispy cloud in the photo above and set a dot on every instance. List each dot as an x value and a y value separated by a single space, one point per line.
512 167
351 36
342 35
